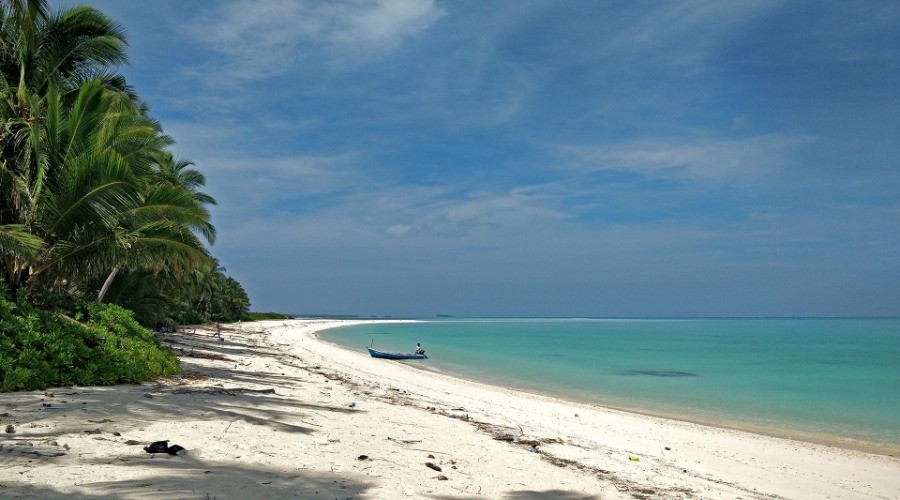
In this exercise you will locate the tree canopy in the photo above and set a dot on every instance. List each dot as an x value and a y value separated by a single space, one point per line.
93 204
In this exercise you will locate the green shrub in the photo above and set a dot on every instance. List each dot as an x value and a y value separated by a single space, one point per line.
44 348
262 316
190 317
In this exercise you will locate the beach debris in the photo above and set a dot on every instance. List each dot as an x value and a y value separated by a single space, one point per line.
224 391
668 449
132 442
177 450
431 465
95 431
430 456
163 447
48 394
157 447
442 478
353 405
148 395
10 429
634 459
505 437
104 421
363 457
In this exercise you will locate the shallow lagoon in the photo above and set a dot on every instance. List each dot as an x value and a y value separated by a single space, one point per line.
836 380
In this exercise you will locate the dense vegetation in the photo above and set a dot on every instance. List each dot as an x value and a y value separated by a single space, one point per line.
93 208
105 345
262 316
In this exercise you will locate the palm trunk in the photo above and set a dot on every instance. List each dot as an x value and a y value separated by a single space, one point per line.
109 280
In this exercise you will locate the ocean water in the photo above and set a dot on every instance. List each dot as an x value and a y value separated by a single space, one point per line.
833 380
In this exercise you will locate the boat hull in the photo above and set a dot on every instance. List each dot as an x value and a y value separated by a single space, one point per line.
394 355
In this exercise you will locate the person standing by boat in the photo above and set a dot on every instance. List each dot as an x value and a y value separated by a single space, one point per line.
419 349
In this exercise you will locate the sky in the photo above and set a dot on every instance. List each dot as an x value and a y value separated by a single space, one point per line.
535 158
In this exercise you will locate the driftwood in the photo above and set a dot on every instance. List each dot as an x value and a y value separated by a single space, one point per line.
230 391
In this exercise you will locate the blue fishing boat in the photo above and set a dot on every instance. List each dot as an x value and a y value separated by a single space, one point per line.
395 355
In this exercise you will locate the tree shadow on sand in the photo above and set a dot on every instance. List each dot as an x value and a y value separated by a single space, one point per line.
44 421
532 495
88 409
217 391
180 478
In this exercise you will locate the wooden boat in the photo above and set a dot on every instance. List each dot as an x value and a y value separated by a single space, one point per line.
395 355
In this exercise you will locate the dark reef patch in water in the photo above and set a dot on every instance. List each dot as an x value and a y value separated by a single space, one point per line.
656 373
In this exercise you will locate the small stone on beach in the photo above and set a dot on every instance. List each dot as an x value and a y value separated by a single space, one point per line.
10 429
157 447
176 450
432 466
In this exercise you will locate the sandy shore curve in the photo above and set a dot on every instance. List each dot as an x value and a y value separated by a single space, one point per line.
274 412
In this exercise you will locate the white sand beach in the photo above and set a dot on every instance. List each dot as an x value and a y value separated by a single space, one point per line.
273 412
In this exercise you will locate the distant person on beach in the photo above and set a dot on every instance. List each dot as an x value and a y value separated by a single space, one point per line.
419 349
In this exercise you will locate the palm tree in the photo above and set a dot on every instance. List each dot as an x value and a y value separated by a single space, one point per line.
88 188
38 49
40 52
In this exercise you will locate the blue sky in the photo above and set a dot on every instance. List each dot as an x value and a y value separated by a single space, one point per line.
417 157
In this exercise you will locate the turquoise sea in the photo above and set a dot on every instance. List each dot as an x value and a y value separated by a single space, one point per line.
832 380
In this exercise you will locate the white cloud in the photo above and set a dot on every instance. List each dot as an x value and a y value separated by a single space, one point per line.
682 34
262 39
398 230
703 159
477 214
368 217
384 23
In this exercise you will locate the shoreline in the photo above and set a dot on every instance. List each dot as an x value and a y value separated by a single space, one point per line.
717 441
799 435
274 412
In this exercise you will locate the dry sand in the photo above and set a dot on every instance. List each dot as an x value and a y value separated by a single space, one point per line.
273 412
